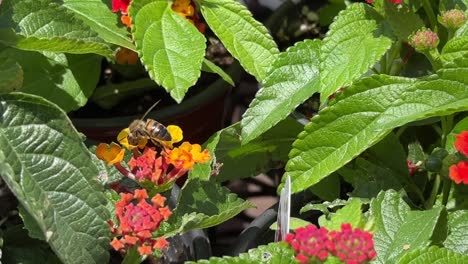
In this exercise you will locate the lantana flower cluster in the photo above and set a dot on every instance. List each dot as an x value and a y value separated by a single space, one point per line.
315 245
137 220
156 168
459 172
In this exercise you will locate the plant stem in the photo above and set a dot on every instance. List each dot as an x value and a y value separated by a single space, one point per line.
446 191
435 190
447 125
430 14
132 256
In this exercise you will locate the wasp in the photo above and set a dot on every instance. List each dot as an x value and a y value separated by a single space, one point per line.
149 129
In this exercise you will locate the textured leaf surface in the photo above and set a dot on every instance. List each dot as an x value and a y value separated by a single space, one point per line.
11 75
100 18
398 229
402 20
457 238
65 79
49 170
266 152
204 204
44 25
352 45
454 49
368 110
293 79
244 37
274 253
170 47
433 255
209 66
350 213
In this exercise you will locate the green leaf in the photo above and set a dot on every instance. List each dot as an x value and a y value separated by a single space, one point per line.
50 171
350 213
402 20
243 36
328 189
204 204
461 126
170 47
260 155
457 238
400 230
390 212
65 79
209 66
433 255
294 78
294 224
353 44
323 207
34 230
43 25
454 49
11 75
273 253
99 17
367 111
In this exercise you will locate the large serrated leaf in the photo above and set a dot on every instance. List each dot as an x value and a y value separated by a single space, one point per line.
204 204
457 238
100 18
50 171
350 213
65 79
43 25
266 152
244 37
398 229
352 45
273 253
366 112
11 75
433 255
294 78
170 47
454 49
402 19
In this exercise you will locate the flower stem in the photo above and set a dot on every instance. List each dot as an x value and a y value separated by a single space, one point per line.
435 190
430 14
132 256
447 125
446 191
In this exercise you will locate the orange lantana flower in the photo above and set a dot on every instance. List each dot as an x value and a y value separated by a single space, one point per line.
111 154
185 156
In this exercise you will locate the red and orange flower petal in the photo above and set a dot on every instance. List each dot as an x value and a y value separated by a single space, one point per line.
120 5
158 200
125 56
160 243
132 240
184 8
122 138
144 250
165 212
117 244
127 21
140 194
144 234
111 154
459 172
461 143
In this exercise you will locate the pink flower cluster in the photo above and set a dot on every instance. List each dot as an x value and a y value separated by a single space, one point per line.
312 244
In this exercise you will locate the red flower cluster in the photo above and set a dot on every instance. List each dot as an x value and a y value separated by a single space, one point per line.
459 172
312 244
137 219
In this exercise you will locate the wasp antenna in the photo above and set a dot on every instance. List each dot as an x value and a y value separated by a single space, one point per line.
151 108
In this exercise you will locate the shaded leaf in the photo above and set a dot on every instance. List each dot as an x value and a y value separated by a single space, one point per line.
244 37
274 253
461 126
11 75
367 111
49 170
170 47
43 25
458 224
65 79
209 66
294 78
402 20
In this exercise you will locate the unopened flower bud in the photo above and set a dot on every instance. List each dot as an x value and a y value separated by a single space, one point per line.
423 40
452 19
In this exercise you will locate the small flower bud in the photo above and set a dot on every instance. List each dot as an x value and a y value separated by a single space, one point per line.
423 40
452 19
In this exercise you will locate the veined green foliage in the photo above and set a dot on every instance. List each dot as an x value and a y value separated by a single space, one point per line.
46 165
433 255
170 47
244 37
366 112
11 75
44 25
